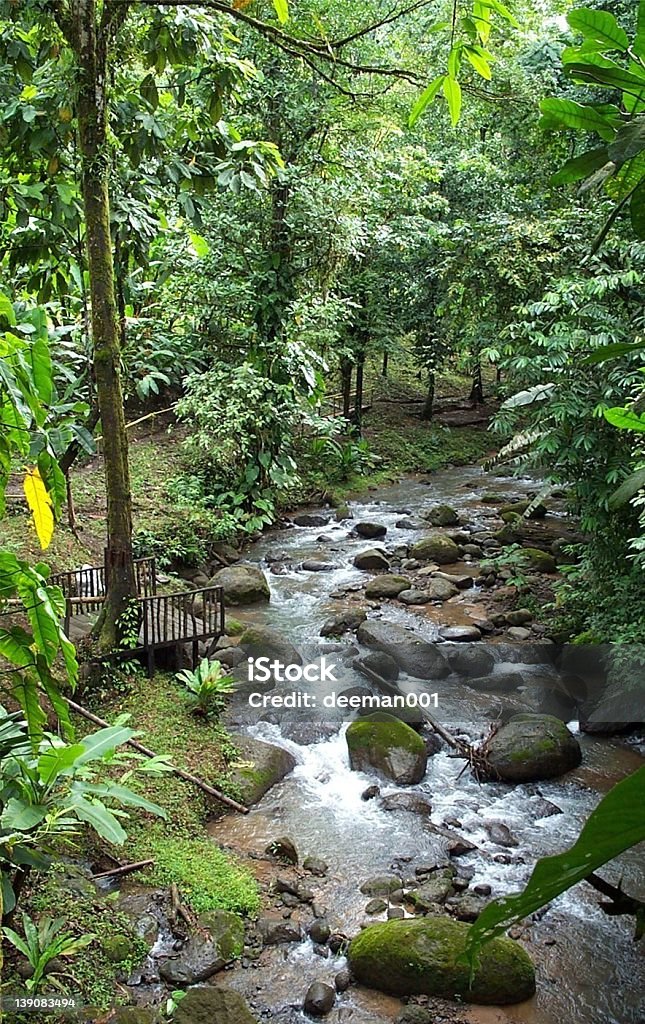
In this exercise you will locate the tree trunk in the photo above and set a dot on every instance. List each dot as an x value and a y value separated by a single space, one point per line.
385 362
346 374
358 405
428 405
91 53
477 391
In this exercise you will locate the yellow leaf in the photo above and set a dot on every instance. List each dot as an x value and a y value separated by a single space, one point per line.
40 506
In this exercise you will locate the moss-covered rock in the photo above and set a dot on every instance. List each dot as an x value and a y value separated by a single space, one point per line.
388 585
441 515
218 942
242 584
383 743
261 766
234 627
213 1005
533 747
539 560
436 547
520 508
264 642
118 947
423 956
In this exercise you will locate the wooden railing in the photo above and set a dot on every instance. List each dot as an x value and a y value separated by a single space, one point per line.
84 589
333 405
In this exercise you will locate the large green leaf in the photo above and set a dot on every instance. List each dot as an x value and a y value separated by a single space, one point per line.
41 369
629 141
599 26
6 310
282 10
452 92
631 486
25 691
15 646
123 795
569 114
425 99
19 816
55 760
625 419
617 824
639 42
601 355
42 617
579 167
100 818
103 742
610 78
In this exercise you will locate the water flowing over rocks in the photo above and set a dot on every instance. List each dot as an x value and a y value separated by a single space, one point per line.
413 655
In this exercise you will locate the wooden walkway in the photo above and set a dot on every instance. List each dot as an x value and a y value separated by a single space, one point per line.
189 617
333 404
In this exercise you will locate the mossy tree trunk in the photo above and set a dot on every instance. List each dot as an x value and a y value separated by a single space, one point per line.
90 37
428 405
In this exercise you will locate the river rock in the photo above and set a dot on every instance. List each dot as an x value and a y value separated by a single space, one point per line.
413 596
386 586
533 747
460 580
319 1000
219 941
411 523
317 565
310 519
315 866
381 885
414 1014
500 833
441 515
469 660
242 584
342 981
436 547
263 764
435 889
209 1003
345 622
417 657
424 956
375 906
414 803
520 508
371 792
372 560
460 634
283 849
440 590
539 560
384 744
369 529
320 930
467 908
498 682
265 642
275 930
380 663
518 633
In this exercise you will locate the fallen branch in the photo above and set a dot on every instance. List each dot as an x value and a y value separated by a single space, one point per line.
124 869
620 902
178 910
186 776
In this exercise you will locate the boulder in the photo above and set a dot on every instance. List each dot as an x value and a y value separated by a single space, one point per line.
310 519
460 580
283 849
533 747
500 833
262 765
424 956
520 508
381 663
219 941
372 560
315 866
276 930
319 1000
440 590
498 682
368 529
411 523
417 657
436 547
413 803
317 565
345 622
320 930
413 596
384 744
381 885
242 584
206 1004
441 515
539 560
460 634
467 660
264 642
388 585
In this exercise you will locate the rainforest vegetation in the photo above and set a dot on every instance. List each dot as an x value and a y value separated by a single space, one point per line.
263 257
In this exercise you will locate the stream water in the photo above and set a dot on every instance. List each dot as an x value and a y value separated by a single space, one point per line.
589 969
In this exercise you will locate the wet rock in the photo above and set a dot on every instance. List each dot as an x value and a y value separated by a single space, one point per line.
539 560
474 660
395 913
413 1014
380 663
518 633
317 565
384 744
543 808
274 931
483 889
370 793
265 642
242 584
417 657
520 508
203 956
320 931
519 617
459 580
345 622
125 1014
315 866
435 548
459 847
411 523
441 515
381 885
375 906
499 682
367 528
467 908
440 590
283 849
413 596
372 560
387 585
310 519
474 550
342 981
337 942
413 803
209 1003
500 833
425 956
436 889
319 1000
533 747
262 765
231 656
460 634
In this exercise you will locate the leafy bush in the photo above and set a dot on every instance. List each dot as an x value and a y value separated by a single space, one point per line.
43 943
209 685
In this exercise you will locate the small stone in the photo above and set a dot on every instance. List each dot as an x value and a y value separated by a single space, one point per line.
315 866
381 885
320 931
371 792
460 634
459 847
482 889
342 981
395 913
518 633
413 596
376 906
319 999
519 617
500 833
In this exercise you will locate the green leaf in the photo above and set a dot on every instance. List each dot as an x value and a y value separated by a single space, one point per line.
600 26
575 115
631 486
25 691
15 646
601 355
629 141
501 9
6 310
480 64
56 760
639 42
425 99
617 824
199 245
100 818
611 78
580 166
625 419
282 10
41 369
19 816
148 90
42 617
103 742
125 796
452 92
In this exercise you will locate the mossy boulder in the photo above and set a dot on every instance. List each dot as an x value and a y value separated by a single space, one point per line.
243 584
436 547
234 627
126 1015
441 515
423 957
533 747
520 508
539 560
210 1004
262 766
388 585
384 744
218 942
264 642
118 947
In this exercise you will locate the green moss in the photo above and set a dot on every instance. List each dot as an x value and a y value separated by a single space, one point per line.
383 731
